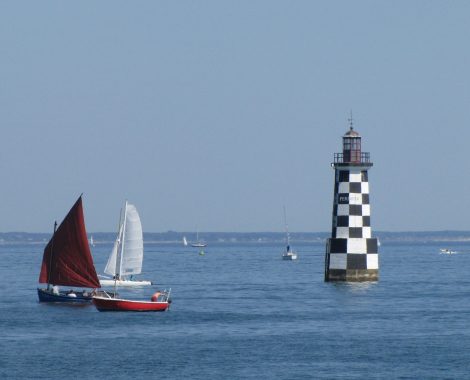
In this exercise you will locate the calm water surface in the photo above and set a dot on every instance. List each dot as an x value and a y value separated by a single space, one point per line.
240 312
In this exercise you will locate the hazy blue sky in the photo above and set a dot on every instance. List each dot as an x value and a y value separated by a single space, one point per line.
213 114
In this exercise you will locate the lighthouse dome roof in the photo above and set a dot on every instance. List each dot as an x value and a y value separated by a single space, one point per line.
351 133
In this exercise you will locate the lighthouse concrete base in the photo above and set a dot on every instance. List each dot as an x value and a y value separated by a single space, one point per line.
352 275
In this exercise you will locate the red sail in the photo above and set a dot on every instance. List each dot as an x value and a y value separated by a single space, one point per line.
67 258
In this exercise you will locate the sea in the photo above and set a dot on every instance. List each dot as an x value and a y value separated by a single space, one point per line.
240 312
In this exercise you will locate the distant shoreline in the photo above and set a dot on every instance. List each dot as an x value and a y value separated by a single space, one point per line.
171 237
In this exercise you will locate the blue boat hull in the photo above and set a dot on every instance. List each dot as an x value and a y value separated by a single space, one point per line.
47 296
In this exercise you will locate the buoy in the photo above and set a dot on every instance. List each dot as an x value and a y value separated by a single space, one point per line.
155 296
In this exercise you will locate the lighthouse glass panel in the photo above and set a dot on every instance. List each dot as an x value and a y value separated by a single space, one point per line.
356 150
346 149
356 144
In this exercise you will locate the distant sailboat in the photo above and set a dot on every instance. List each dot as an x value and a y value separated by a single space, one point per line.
92 244
67 261
185 242
127 254
198 243
288 254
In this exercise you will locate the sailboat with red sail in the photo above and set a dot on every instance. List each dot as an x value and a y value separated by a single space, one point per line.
67 261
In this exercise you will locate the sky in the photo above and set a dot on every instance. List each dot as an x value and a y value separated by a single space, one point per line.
212 115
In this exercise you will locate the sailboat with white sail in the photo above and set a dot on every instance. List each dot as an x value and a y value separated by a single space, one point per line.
125 260
198 243
288 254
185 242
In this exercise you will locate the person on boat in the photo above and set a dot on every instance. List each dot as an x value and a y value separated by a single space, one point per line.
155 296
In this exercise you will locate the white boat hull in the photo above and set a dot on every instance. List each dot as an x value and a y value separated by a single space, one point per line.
448 252
289 256
125 283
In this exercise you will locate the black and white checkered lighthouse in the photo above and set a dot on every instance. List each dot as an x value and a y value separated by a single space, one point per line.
351 252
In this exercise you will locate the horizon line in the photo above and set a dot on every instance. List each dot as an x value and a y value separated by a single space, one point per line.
249 232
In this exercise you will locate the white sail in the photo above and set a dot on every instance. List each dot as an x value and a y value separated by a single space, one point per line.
133 243
111 264
185 242
128 251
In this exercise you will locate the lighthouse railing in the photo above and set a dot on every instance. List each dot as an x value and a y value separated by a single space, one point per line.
341 158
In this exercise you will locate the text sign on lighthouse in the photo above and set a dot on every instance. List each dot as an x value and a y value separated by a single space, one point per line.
351 252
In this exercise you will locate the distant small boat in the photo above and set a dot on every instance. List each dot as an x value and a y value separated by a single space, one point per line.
67 261
127 255
198 243
288 254
92 244
185 242
447 251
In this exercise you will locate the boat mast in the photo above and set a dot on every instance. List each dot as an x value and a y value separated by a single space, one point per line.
287 228
123 237
50 257
120 238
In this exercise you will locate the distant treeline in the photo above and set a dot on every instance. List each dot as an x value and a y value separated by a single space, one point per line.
221 237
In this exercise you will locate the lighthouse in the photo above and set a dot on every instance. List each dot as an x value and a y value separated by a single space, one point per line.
351 252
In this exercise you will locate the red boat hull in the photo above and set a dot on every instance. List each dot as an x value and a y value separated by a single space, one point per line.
116 304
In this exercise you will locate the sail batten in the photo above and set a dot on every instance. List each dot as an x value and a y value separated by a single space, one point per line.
67 257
